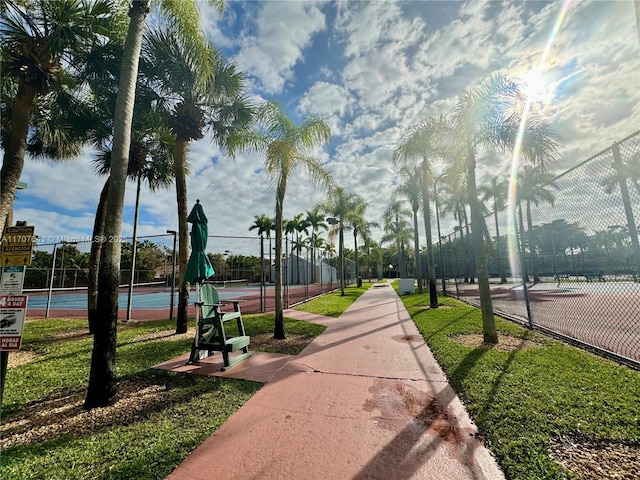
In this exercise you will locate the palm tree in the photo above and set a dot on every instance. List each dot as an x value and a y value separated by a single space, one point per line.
43 46
363 228
339 204
300 225
532 189
264 224
356 221
149 153
455 202
420 147
490 115
285 145
374 250
497 191
197 100
398 232
315 219
184 15
410 190
396 229
149 160
622 172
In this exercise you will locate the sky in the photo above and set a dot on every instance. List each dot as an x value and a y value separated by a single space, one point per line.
371 70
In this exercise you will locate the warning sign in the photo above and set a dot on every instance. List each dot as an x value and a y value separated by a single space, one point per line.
17 246
12 280
12 313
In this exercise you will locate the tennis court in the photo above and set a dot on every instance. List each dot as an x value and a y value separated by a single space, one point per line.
153 303
605 315
145 300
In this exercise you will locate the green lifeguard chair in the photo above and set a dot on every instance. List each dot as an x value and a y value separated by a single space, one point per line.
211 335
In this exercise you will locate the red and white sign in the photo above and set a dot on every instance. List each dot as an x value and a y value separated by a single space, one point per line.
12 313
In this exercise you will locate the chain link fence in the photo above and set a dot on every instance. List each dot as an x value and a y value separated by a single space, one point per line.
573 268
57 280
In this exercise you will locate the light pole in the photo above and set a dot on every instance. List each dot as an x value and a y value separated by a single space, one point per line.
229 255
173 273
338 221
53 271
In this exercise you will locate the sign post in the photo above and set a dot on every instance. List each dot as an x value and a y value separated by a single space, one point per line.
15 255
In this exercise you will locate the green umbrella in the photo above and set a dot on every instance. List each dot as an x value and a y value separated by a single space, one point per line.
199 268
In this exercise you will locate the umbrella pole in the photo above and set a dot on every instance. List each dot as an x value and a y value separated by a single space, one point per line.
198 312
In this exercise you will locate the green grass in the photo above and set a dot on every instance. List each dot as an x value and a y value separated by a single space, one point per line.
333 304
152 442
522 399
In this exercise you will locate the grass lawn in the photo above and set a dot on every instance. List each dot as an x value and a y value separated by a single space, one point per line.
159 418
333 304
537 402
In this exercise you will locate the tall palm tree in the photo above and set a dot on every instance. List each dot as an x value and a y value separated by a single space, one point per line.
410 191
398 231
533 188
300 225
496 191
621 173
44 44
149 152
339 204
489 115
264 224
420 147
363 227
285 145
357 222
197 101
396 228
456 202
184 15
315 219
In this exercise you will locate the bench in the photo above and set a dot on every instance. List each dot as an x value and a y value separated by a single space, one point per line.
211 335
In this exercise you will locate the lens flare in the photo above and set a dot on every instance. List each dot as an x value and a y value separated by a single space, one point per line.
534 77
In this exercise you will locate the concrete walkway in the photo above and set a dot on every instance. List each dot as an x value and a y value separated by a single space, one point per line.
365 400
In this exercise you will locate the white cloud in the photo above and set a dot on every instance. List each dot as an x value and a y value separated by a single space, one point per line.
284 29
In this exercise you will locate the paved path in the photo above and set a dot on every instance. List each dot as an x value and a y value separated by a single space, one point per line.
365 400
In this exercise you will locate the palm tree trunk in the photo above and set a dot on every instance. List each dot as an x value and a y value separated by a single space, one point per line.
313 256
102 378
490 335
355 246
503 278
94 257
278 329
179 161
626 202
134 246
341 255
469 246
426 212
532 246
525 274
416 246
15 148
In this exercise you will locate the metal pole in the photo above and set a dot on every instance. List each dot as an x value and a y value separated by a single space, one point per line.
62 272
262 288
173 274
53 271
